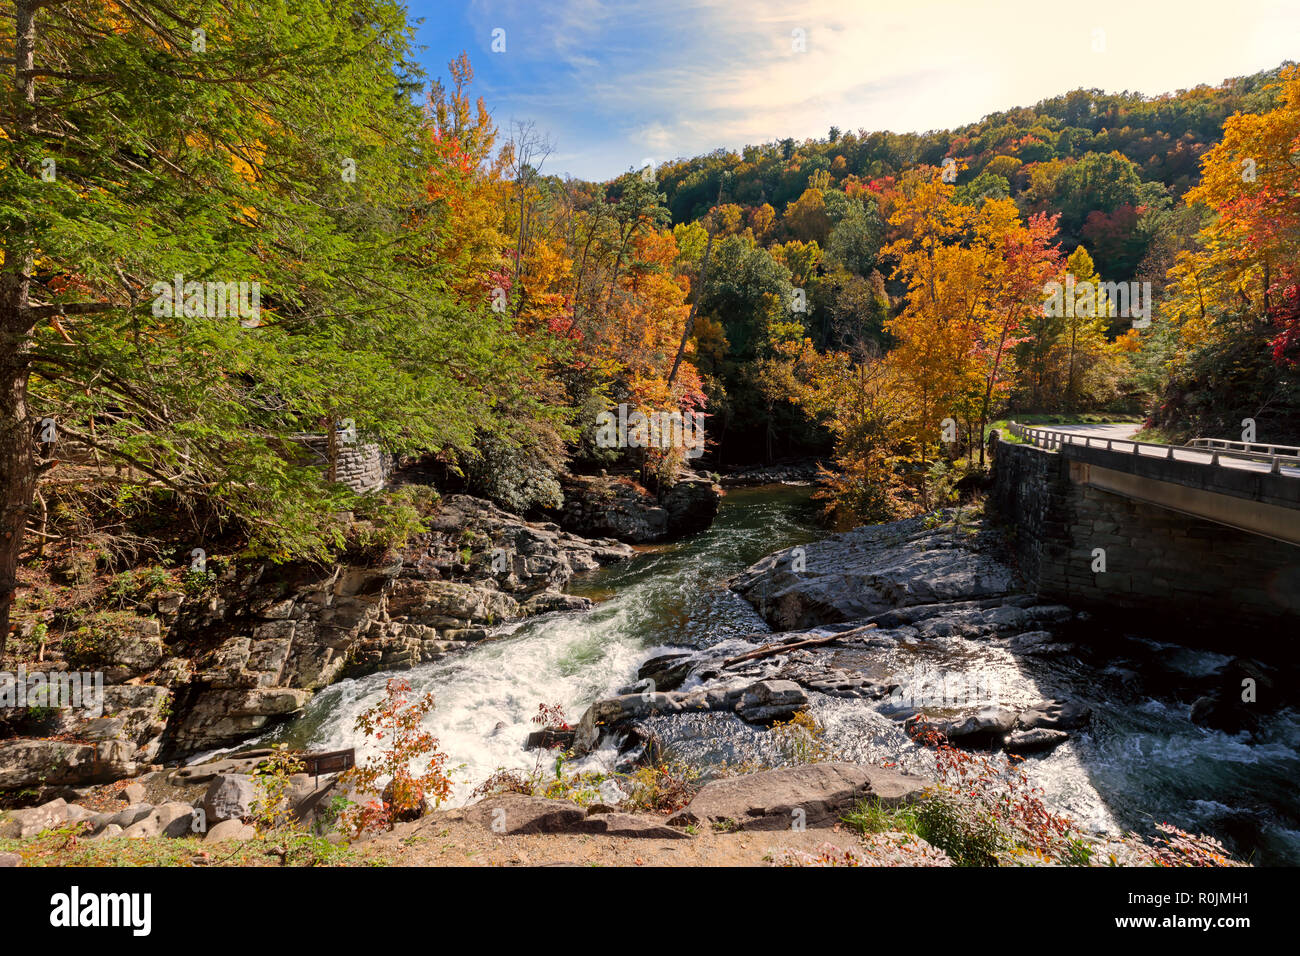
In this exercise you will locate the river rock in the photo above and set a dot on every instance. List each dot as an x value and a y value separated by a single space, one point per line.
760 702
667 671
122 818
176 819
768 800
1032 741
800 471
983 729
229 797
144 829
549 738
21 824
1039 644
691 503
230 830
771 700
1055 715
1242 689
550 601
513 813
622 509
870 570
134 793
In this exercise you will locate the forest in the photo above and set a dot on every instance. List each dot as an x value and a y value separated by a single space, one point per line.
870 298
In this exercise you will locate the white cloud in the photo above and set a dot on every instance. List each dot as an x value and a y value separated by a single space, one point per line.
681 78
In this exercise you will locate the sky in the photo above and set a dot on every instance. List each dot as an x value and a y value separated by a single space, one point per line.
617 83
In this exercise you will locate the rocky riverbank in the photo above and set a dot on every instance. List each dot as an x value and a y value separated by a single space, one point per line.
186 673
846 610
838 604
618 507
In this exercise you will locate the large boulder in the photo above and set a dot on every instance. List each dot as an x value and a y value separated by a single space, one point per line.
33 763
220 717
771 800
229 797
691 504
667 671
450 603
771 700
761 702
868 571
1055 715
1243 693
984 728
21 824
622 509
229 830
517 813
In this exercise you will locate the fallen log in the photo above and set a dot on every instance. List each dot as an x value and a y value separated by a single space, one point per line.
771 650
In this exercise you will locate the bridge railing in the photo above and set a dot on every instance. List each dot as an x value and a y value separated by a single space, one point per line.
1257 448
1050 440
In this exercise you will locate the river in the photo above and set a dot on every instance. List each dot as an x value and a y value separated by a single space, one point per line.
1142 759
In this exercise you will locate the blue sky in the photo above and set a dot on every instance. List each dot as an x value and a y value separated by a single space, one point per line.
617 82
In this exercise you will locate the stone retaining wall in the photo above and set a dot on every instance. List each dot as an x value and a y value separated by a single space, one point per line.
361 466
1186 569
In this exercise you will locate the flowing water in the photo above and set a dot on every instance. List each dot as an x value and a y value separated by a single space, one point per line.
1142 759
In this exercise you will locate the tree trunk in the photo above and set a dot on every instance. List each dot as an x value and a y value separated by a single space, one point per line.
17 455
695 306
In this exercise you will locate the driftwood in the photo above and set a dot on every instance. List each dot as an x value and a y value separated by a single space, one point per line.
771 650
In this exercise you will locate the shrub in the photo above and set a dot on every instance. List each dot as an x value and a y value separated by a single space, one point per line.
271 809
397 720
519 474
801 739
390 518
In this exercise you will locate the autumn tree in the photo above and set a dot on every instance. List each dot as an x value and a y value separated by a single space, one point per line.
285 150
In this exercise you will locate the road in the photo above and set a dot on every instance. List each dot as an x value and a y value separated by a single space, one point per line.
1121 433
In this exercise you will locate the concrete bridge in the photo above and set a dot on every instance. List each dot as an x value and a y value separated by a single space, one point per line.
1209 530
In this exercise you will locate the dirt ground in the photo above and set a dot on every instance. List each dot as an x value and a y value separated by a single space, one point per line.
447 839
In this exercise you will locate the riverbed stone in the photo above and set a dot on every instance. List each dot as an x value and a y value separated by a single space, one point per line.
824 792
236 830
770 800
869 570
229 797
1055 715
760 702
513 813
1033 741
771 700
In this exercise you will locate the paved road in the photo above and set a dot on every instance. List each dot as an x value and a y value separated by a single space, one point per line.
1121 432
1115 430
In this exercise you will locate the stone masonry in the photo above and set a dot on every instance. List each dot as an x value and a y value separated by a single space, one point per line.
1181 568
362 467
